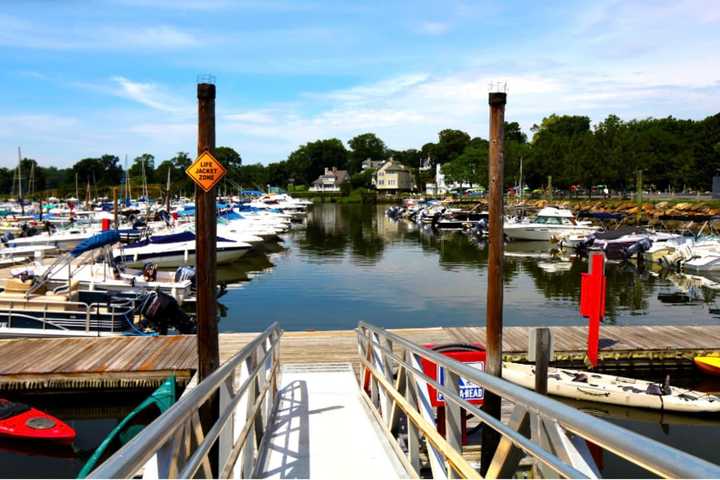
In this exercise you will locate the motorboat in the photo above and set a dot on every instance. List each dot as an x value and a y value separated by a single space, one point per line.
91 264
550 223
175 250
66 311
622 243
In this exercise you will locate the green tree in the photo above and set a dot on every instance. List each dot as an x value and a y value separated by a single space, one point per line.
469 167
363 147
310 160
451 144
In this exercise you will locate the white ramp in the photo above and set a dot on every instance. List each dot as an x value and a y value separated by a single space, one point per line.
322 429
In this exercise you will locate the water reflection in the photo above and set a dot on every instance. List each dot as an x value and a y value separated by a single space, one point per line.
353 263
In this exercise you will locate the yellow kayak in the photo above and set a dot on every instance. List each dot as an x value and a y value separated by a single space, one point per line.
709 365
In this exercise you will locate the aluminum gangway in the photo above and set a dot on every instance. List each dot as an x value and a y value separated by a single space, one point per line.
318 420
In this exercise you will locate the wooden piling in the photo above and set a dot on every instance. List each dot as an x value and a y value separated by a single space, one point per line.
542 358
494 319
206 261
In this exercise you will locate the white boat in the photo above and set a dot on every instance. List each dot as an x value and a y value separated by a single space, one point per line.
550 223
603 388
175 250
62 239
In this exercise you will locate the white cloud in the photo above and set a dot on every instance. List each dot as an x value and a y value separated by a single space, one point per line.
148 94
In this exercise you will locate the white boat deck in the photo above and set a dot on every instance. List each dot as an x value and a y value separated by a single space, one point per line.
322 429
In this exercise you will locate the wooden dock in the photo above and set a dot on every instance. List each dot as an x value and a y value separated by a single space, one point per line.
143 362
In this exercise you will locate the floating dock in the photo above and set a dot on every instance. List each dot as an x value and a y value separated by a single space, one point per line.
109 363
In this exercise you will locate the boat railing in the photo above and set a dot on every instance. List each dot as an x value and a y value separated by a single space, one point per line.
553 435
14 309
174 445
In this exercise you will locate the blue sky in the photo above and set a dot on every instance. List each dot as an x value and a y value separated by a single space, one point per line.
83 78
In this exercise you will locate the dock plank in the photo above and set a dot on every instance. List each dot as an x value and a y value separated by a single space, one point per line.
126 359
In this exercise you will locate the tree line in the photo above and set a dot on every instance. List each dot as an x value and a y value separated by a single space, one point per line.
672 154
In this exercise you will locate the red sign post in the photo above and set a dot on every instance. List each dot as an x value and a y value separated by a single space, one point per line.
592 302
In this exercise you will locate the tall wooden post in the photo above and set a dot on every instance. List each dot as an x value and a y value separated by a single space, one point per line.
205 259
115 207
494 320
205 242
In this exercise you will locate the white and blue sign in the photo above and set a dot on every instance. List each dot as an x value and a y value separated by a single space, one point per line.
468 390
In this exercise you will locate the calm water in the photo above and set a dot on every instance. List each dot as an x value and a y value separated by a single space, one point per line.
350 263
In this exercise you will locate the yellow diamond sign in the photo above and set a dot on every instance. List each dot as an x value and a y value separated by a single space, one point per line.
206 171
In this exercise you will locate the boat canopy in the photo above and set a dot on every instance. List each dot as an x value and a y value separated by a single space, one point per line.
96 241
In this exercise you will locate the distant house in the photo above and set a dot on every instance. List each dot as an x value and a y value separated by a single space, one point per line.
394 177
330 181
426 165
374 164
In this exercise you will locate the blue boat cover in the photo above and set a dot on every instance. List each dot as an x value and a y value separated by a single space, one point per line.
96 241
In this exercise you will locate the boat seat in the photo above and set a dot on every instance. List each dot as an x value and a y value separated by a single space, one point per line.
15 285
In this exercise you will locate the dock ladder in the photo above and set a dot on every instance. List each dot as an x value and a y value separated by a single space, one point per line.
266 411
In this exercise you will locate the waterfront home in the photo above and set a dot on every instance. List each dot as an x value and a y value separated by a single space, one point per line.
330 181
394 177
369 163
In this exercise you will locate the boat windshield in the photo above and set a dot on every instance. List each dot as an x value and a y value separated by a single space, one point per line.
553 220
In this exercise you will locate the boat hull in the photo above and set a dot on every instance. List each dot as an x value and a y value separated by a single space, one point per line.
612 389
542 232
36 426
709 365
174 259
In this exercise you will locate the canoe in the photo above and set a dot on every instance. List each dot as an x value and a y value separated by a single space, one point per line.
23 422
602 388
157 403
709 365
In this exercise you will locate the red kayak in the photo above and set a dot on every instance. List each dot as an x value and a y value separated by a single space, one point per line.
20 421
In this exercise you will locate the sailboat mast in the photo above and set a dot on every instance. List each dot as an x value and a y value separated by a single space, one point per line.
521 178
167 190
20 199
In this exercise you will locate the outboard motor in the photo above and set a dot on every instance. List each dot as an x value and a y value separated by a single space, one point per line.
583 247
185 272
6 237
161 311
165 217
139 223
640 246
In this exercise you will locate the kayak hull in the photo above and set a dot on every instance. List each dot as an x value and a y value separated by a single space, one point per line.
38 426
709 365
614 390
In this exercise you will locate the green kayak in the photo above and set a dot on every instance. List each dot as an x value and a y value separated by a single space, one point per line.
160 400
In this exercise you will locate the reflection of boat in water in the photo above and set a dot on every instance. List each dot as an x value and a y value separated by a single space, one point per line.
624 391
157 403
248 267
619 412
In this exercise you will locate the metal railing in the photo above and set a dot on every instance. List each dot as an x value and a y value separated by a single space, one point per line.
551 433
175 446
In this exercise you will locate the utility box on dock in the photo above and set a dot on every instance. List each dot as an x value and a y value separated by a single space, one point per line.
472 355
716 186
